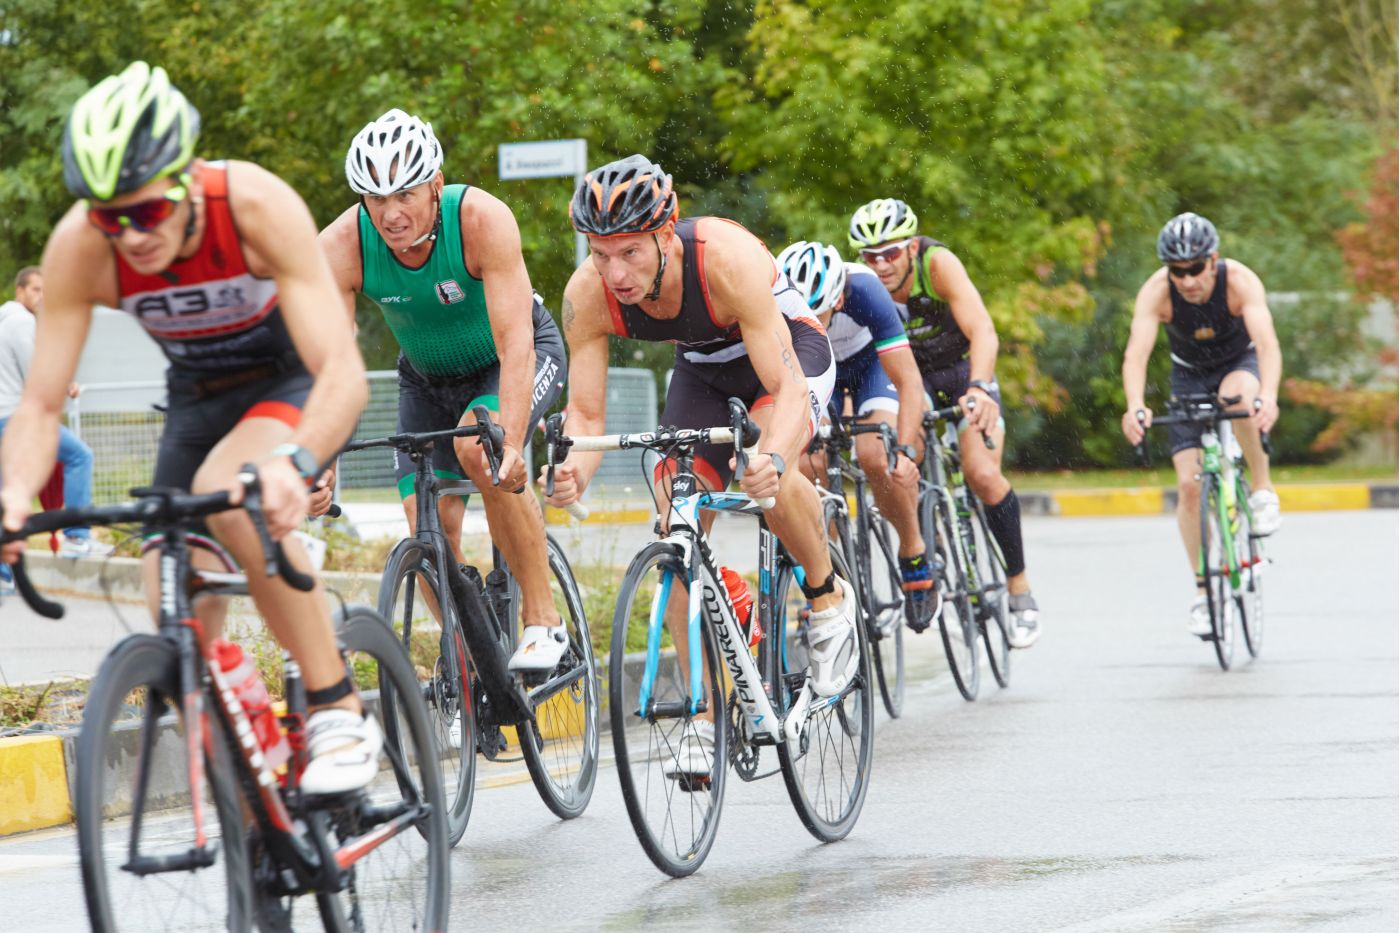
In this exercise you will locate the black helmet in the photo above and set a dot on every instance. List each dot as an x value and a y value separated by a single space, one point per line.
1186 237
629 196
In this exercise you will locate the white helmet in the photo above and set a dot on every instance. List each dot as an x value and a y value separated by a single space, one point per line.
395 152
817 270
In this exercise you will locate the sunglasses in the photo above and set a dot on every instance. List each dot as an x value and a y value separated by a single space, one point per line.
1190 271
145 216
876 255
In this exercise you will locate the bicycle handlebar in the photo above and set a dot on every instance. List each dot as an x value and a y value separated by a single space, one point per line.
953 413
1197 408
555 440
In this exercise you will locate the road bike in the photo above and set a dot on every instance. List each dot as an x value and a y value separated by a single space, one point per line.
968 562
461 631
183 822
661 692
1231 562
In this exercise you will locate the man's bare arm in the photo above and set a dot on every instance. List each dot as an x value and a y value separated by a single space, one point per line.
586 330
1142 336
903 371
340 241
952 283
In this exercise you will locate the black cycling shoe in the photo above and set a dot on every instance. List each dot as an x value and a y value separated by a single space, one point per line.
922 600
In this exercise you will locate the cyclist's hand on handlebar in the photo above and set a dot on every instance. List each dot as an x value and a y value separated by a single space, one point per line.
1135 424
568 485
16 507
1265 413
982 410
906 471
284 496
760 479
512 473
319 501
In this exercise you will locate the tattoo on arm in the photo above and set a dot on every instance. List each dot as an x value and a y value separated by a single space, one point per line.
787 358
569 314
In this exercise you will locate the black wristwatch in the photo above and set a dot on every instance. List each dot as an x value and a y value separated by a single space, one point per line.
779 464
305 462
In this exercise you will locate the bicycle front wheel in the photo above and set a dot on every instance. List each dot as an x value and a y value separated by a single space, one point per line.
884 611
408 599
394 835
1215 571
990 567
957 622
561 744
672 778
138 798
828 771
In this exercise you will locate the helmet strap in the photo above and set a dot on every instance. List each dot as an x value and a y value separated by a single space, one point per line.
655 292
432 233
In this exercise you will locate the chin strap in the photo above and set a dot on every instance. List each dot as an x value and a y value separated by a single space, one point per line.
655 292
432 232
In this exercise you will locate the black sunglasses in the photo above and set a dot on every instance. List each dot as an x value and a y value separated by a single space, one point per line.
1192 270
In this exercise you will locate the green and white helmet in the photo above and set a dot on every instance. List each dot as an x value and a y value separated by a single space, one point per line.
880 221
127 131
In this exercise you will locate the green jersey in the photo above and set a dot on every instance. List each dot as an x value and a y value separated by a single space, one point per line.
437 312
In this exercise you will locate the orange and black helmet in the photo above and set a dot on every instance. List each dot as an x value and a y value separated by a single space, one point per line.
629 196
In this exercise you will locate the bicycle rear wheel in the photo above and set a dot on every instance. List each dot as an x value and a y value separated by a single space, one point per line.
828 774
1216 573
673 796
992 596
561 744
113 750
408 600
957 623
394 834
884 612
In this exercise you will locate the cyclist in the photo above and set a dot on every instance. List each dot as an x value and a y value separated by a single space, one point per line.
876 368
444 266
955 345
218 262
741 329
1222 341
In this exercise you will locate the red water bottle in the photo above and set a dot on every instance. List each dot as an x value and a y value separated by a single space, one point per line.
742 599
247 684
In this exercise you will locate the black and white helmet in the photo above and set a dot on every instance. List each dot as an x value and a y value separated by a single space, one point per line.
1187 237
817 270
395 152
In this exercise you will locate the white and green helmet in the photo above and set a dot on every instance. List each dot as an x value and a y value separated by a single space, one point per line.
127 131
880 221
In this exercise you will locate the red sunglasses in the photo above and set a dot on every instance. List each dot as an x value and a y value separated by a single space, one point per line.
145 216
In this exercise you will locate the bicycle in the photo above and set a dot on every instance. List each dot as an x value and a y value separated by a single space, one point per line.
866 543
461 630
371 860
1231 560
658 690
967 560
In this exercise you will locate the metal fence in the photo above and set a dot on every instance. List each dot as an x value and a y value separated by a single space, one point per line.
121 422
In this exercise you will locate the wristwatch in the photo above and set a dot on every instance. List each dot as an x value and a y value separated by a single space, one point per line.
989 387
305 462
778 463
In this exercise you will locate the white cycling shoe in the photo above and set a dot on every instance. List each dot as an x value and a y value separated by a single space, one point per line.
541 647
1263 506
344 749
1199 624
833 652
695 756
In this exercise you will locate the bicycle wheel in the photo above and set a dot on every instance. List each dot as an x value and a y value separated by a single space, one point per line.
992 596
957 624
561 745
828 773
1251 549
113 749
674 804
393 835
407 599
1216 573
884 611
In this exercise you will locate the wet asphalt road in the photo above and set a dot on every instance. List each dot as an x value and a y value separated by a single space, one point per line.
1122 783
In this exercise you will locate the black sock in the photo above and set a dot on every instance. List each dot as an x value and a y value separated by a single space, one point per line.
1004 521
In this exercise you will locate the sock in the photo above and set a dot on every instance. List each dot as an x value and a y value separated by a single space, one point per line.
1004 521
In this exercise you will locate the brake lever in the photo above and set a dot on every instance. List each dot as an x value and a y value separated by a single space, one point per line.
491 438
986 438
1144 458
891 448
738 424
275 562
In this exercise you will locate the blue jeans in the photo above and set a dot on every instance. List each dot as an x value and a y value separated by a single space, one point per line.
76 458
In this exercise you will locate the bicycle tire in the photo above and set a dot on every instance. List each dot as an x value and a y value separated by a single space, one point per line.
991 603
118 899
642 749
413 893
410 568
563 763
957 624
1252 599
883 587
1215 572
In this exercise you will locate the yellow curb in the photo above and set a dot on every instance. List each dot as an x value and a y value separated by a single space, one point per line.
33 784
555 516
1133 501
1323 497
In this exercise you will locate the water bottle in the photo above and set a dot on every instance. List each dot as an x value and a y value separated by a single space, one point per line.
742 599
247 684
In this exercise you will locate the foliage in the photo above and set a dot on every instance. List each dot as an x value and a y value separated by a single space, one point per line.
1371 247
